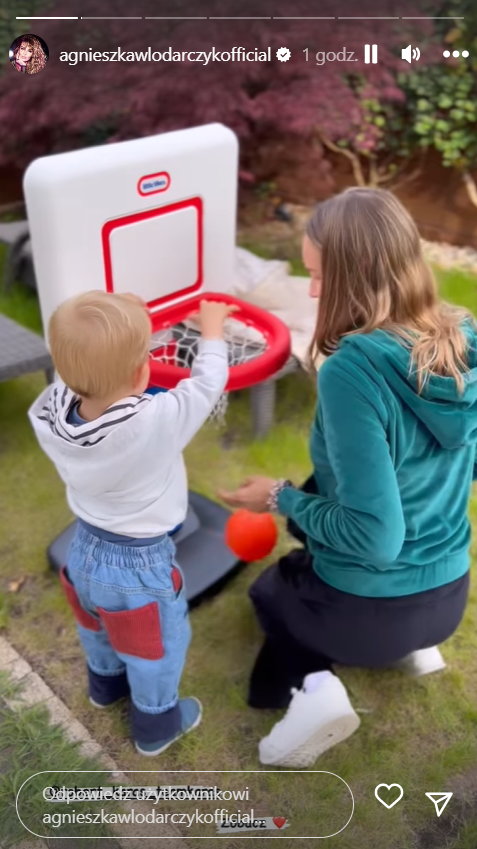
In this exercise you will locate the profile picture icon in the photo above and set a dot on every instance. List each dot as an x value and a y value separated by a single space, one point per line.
28 54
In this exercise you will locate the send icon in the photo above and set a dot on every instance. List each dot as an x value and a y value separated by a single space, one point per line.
440 801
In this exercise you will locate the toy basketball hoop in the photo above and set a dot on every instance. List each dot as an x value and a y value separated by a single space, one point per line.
155 216
258 343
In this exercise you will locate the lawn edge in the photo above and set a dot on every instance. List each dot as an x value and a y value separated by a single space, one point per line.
35 691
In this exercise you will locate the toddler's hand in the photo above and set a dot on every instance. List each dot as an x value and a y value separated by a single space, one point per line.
211 317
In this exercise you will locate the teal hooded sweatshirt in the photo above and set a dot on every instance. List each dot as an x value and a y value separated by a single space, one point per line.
393 470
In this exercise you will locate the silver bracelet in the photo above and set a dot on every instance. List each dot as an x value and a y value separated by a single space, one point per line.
278 486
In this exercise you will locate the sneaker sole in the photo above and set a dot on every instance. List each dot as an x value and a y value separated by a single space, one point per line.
419 673
416 671
99 706
171 742
329 735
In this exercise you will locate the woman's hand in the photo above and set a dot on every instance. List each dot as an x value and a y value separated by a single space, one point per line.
252 494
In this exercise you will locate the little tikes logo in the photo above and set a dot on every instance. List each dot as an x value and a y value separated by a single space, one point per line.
151 184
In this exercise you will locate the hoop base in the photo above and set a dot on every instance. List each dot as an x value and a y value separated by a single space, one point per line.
202 554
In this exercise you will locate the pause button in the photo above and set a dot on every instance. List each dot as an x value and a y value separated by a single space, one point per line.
370 54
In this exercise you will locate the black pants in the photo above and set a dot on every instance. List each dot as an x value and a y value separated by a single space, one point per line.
309 626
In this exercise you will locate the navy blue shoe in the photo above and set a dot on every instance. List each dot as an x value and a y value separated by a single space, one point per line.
106 690
187 715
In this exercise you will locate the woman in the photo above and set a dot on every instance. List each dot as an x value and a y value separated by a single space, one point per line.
385 569
28 55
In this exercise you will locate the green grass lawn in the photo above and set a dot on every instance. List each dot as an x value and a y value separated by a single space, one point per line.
421 734
30 743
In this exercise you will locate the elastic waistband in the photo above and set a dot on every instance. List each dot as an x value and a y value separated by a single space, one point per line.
120 539
100 547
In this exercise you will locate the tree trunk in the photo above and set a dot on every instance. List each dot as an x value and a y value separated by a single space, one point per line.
470 186
353 158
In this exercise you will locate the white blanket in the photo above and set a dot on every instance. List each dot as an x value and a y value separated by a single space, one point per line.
267 283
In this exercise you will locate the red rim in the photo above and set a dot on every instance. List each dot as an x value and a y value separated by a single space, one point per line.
243 375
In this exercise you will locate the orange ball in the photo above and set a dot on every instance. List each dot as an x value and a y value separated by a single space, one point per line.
251 536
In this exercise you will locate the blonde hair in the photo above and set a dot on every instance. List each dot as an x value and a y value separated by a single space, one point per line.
97 342
374 276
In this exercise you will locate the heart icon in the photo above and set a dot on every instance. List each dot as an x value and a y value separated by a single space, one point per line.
279 821
389 787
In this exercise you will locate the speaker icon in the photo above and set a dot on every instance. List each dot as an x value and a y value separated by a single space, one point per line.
410 53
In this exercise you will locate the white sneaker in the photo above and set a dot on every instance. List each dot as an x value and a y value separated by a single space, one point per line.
315 721
421 662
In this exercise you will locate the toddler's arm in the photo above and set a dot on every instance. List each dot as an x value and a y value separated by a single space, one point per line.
184 409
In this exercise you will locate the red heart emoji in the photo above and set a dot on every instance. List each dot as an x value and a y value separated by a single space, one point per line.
279 821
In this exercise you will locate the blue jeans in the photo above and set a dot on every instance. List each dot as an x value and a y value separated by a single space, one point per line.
131 613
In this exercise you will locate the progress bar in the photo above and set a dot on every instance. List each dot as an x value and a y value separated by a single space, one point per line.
43 18
240 18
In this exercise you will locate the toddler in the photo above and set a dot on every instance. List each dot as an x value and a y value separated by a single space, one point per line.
119 449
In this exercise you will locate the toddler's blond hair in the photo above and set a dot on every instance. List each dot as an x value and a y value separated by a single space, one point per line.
97 342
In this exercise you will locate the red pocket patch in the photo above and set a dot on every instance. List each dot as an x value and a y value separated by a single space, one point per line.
176 579
136 632
81 615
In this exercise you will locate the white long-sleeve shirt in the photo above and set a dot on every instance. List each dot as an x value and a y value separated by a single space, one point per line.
124 471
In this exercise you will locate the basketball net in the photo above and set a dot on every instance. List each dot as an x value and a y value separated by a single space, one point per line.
178 345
